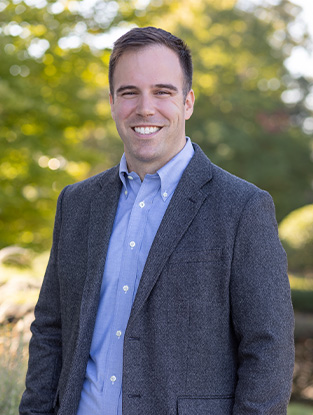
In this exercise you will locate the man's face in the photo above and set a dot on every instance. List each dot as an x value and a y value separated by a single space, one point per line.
149 108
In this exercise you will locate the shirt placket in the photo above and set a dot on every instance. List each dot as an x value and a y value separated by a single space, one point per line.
126 285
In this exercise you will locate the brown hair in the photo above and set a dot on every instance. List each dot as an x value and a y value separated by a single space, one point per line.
141 37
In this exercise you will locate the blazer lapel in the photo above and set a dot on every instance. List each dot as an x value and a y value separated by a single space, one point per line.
102 213
186 202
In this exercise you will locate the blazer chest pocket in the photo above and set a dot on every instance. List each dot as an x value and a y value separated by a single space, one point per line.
194 276
205 406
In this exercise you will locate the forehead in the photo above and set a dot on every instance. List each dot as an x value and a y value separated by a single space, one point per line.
148 65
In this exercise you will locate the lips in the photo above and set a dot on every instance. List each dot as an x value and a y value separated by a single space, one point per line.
146 130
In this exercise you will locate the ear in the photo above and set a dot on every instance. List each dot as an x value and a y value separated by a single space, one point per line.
112 105
189 103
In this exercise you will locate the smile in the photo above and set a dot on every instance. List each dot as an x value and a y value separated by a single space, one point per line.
146 130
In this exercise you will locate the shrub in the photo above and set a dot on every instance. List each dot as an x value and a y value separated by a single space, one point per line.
296 234
302 293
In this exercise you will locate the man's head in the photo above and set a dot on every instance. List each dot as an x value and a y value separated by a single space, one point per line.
139 38
149 102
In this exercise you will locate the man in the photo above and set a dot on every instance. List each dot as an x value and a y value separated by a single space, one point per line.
166 290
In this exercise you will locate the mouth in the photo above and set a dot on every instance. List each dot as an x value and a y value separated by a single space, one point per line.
146 130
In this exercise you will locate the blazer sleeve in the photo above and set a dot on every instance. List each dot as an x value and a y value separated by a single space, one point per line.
45 348
262 312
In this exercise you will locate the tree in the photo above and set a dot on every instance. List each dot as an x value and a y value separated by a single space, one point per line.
55 123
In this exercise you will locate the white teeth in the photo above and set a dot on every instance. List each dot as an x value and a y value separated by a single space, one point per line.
146 130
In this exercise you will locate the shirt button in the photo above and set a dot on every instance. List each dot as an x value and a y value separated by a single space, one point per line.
165 194
142 204
118 333
126 192
132 244
126 288
113 379
130 177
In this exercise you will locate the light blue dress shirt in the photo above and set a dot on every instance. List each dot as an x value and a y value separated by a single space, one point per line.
139 213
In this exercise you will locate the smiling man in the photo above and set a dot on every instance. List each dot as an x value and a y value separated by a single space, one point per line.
166 290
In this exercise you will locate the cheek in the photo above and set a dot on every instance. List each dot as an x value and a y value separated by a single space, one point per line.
168 112
171 110
124 111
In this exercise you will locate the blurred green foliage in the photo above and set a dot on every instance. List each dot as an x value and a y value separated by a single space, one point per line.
55 123
301 292
299 409
302 300
296 234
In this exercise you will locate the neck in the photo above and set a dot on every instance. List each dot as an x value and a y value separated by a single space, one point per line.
142 169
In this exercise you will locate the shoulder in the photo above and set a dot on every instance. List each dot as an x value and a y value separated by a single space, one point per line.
238 195
78 196
232 185
92 185
221 184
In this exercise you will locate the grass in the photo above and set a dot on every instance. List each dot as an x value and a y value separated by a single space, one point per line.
299 409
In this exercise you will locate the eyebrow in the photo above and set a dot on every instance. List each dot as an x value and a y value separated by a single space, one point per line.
133 87
167 86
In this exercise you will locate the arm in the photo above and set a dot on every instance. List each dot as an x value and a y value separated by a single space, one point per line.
45 349
262 313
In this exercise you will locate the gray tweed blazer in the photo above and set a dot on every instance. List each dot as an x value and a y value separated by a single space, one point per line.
211 327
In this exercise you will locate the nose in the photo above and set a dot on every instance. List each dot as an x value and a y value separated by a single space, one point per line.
145 106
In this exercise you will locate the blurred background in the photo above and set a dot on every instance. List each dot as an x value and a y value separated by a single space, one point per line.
253 80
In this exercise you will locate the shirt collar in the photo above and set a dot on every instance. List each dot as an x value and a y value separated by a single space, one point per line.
169 174
172 171
123 171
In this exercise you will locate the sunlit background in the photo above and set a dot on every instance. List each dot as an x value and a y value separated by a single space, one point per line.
253 80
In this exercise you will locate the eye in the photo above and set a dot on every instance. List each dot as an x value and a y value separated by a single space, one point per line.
163 92
127 93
